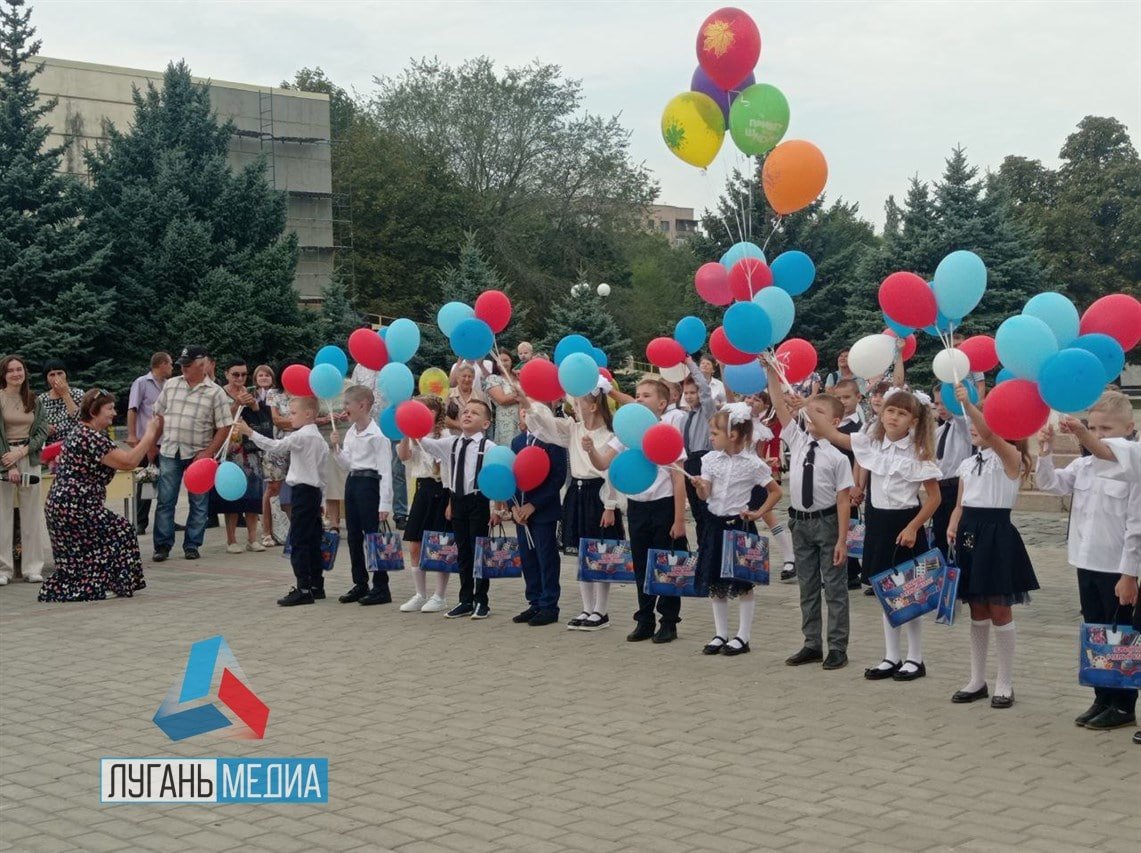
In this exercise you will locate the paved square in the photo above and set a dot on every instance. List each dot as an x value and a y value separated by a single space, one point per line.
455 735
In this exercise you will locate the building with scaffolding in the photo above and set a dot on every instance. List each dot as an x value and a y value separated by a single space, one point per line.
290 128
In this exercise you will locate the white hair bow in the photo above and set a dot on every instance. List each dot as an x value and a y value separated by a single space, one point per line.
923 399
603 388
738 413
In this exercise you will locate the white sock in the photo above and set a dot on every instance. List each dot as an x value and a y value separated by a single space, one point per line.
442 584
1004 645
890 645
601 598
980 638
914 645
421 584
784 539
586 590
720 617
747 607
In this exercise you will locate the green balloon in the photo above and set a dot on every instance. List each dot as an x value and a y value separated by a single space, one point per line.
758 119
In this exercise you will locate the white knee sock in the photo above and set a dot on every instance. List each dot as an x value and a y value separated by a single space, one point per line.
1004 645
586 590
980 638
720 617
747 608
601 598
915 641
784 539
890 644
442 583
418 579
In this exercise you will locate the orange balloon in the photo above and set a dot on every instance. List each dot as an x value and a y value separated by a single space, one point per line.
794 175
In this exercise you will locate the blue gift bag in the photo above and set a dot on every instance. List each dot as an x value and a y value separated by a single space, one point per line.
855 538
384 551
671 573
497 557
438 552
745 557
605 560
1110 656
912 588
330 542
948 597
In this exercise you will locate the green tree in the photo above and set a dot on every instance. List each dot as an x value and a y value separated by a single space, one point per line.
48 254
338 319
583 312
651 287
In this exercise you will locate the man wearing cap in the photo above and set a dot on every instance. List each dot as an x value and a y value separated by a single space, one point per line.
196 420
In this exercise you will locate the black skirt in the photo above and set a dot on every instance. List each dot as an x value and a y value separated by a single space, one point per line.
428 510
708 575
881 527
582 513
994 567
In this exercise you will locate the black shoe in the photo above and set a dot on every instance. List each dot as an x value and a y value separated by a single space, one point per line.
854 583
962 697
1111 718
141 530
836 659
642 632
180 528
869 591
1002 701
526 616
874 673
742 649
159 556
401 521
805 655
666 634
354 594
459 611
377 596
480 611
592 624
319 594
788 575
191 554
544 617
295 597
1090 712
713 647
919 672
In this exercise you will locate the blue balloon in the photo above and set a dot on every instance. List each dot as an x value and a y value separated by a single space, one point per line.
578 374
472 339
335 356
942 324
1002 376
572 343
497 482
501 454
402 339
395 383
387 423
947 395
690 333
631 422
230 482
450 315
631 472
741 250
383 332
748 327
901 330
326 381
600 357
778 305
1071 380
960 282
793 272
746 378
1108 351
1023 344
1057 312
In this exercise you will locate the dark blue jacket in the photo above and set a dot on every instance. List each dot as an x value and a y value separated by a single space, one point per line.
545 498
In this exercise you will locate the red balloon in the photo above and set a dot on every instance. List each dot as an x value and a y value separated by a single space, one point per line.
981 352
728 46
665 352
295 380
1116 315
414 419
712 283
367 348
199 476
50 452
602 371
494 308
540 380
725 352
909 343
1014 409
906 298
798 357
747 277
662 444
531 467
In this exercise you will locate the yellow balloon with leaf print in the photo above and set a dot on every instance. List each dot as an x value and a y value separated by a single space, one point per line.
693 128
434 381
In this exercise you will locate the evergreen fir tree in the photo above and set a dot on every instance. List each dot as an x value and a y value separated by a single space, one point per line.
338 318
48 254
583 312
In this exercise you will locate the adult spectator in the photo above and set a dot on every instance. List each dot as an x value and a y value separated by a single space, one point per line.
807 387
60 401
96 551
246 455
23 432
140 411
462 392
503 389
483 369
196 418
525 352
843 372
716 386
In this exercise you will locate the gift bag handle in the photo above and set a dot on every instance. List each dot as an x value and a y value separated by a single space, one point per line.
385 527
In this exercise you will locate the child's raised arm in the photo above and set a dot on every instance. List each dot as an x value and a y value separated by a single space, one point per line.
1009 454
1088 440
776 393
826 429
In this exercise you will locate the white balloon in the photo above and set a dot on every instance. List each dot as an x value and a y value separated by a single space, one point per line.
870 356
951 365
604 290
675 374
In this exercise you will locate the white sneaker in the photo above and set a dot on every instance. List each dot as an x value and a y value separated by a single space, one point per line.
413 604
255 546
435 604
234 548
34 578
4 579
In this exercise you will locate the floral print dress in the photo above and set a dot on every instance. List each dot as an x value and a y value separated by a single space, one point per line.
96 551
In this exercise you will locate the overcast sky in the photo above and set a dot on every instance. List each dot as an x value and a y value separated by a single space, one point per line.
884 88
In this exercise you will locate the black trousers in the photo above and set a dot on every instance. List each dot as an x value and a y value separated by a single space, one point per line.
696 505
949 495
362 516
470 517
649 523
1099 604
305 537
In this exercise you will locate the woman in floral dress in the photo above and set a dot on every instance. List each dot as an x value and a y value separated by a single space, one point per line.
502 388
96 551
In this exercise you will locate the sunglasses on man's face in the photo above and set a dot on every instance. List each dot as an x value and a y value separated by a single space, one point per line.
236 374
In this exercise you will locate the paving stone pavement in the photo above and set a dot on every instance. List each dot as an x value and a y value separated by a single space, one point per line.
453 735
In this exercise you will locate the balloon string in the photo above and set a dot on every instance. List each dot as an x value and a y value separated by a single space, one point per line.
776 225
226 444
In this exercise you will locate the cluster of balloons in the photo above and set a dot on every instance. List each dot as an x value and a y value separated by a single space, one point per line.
575 370
504 471
471 330
227 478
724 93
649 443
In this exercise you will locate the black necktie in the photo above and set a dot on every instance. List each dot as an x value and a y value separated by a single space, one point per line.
686 434
943 440
979 462
806 480
460 463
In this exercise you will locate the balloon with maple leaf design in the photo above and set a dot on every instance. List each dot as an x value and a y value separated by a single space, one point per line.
693 128
728 47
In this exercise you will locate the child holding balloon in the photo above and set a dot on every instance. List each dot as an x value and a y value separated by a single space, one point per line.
429 511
